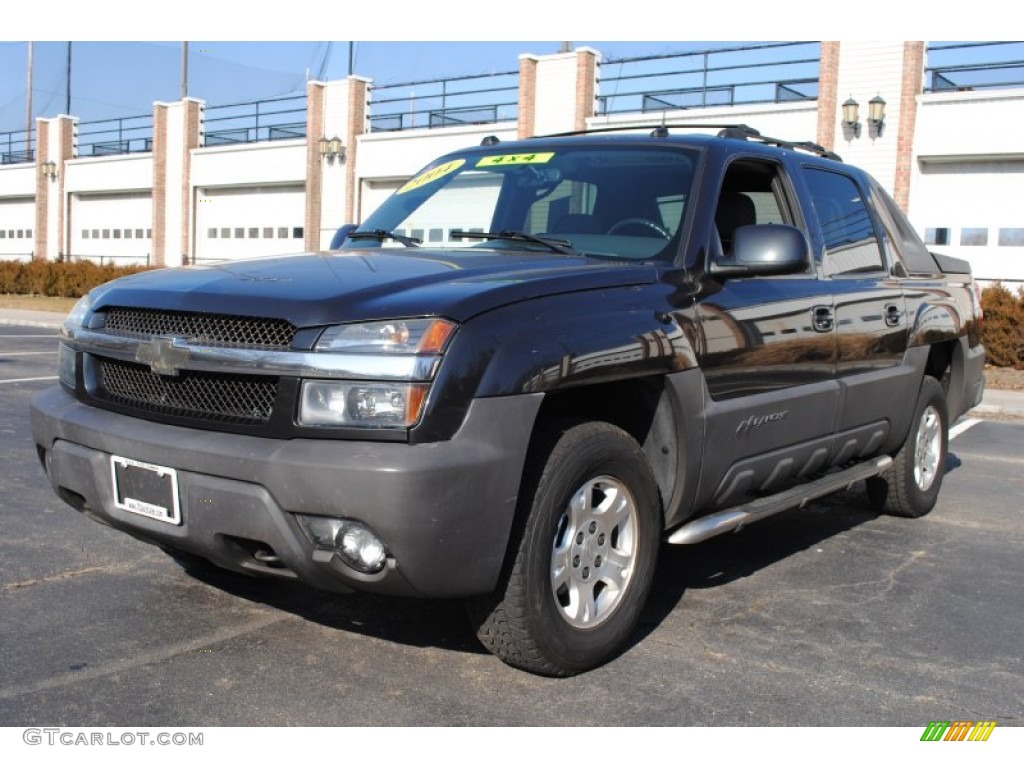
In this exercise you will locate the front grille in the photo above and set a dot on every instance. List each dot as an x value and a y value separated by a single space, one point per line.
220 397
208 329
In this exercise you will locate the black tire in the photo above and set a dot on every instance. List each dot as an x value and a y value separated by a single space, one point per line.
910 486
560 620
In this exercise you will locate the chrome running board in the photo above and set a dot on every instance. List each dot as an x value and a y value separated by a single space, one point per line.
736 517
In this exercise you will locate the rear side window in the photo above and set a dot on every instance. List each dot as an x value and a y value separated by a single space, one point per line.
851 244
903 240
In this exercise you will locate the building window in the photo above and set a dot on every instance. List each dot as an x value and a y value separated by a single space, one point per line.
3 234
282 232
28 233
21 233
297 233
95 234
106 234
127 234
239 233
225 232
149 233
973 236
1011 236
268 233
212 233
936 236
254 233
138 234
117 234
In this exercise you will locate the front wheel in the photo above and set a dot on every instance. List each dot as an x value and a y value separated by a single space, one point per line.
910 486
584 562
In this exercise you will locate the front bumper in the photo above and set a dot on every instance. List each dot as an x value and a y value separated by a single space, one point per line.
444 510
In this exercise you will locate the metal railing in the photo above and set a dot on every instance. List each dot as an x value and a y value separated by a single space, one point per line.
489 98
116 136
250 121
16 147
750 74
974 66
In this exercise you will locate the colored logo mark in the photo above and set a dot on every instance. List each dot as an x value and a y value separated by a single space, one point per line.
958 730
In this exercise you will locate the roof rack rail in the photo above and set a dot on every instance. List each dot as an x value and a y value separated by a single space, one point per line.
725 130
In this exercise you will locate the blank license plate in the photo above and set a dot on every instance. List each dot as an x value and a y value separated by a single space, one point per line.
146 489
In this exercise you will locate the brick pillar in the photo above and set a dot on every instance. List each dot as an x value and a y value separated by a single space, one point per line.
315 92
193 117
828 81
556 92
55 142
358 93
912 84
159 194
334 110
586 86
43 184
527 95
176 132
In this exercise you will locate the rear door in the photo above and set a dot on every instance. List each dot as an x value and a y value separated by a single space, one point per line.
870 310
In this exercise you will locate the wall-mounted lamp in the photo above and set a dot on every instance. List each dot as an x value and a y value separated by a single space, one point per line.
332 148
48 169
851 114
876 114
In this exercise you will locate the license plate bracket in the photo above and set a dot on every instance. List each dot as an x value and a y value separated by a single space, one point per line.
146 489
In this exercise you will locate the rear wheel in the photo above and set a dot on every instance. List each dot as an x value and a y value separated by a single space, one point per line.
585 559
910 486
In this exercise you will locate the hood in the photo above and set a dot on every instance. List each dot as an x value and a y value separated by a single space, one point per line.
369 284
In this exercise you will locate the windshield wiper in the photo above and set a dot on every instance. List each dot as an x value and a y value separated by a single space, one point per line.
555 244
383 234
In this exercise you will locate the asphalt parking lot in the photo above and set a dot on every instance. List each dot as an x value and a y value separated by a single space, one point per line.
826 616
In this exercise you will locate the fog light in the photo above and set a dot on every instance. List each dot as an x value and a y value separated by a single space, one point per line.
360 548
354 542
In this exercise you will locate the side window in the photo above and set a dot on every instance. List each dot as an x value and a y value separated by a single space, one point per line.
851 244
751 194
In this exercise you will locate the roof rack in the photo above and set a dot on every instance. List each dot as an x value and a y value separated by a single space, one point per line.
725 130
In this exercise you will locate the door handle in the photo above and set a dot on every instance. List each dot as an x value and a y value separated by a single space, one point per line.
893 316
822 319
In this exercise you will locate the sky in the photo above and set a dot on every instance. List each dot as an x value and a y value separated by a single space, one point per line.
114 75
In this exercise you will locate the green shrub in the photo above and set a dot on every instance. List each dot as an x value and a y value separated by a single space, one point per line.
1002 331
68 279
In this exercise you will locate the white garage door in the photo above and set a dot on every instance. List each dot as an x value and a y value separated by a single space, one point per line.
972 210
112 227
373 193
17 227
245 222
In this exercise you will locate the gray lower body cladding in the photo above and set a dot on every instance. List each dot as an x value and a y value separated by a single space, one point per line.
443 510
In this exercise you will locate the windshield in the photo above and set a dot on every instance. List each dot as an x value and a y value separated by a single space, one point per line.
607 202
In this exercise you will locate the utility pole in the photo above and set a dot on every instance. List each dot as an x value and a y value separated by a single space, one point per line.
28 104
184 71
351 57
67 100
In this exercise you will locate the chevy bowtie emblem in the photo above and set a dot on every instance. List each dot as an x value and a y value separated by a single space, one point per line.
162 355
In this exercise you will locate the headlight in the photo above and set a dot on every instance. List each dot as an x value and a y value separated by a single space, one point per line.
393 337
78 314
327 403
369 403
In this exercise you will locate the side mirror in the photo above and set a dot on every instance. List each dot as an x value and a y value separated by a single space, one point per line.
340 235
764 249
